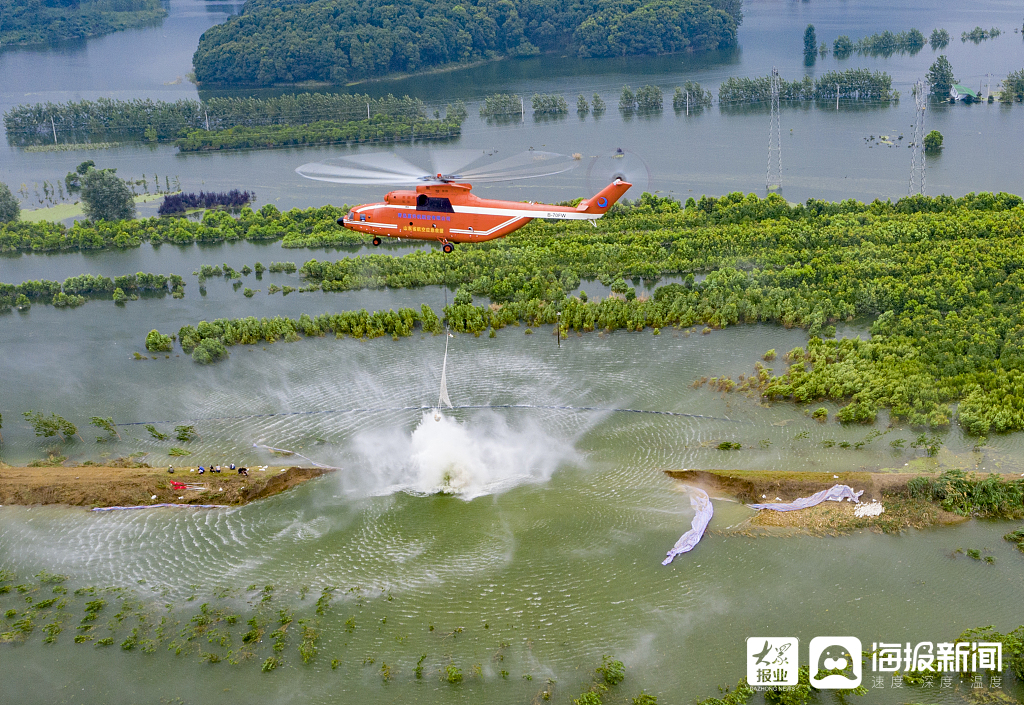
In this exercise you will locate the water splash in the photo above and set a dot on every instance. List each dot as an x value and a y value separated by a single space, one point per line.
483 455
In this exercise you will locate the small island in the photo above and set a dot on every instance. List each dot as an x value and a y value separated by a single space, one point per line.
342 41
27 24
107 486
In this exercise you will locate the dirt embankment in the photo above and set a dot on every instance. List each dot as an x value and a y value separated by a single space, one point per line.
753 486
95 486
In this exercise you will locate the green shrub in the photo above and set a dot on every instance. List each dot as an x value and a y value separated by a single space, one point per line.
612 672
208 351
157 342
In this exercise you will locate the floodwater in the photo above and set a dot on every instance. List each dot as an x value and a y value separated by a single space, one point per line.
547 554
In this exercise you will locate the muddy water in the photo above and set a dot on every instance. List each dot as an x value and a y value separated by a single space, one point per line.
552 546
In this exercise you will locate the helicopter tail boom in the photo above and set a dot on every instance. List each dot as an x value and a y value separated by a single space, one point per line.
605 198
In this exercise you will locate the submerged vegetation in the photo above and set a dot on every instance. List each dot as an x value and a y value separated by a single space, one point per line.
257 627
1013 88
75 290
206 341
501 105
978 35
379 128
298 228
853 84
886 43
691 96
233 123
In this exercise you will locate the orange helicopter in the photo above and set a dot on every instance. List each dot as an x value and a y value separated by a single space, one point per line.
441 207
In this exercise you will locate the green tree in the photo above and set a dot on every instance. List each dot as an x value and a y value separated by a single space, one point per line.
10 211
842 46
598 104
106 425
106 197
210 350
933 141
649 99
157 342
627 101
940 77
810 40
582 105
1013 88
939 38
120 297
53 425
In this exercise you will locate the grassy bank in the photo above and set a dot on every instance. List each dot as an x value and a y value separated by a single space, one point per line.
101 486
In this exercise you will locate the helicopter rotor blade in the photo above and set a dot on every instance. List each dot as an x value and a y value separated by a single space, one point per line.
319 171
387 162
383 168
527 165
453 161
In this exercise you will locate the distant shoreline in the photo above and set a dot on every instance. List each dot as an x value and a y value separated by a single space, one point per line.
100 486
313 85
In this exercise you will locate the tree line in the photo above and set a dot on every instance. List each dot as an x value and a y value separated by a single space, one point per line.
206 342
339 41
26 23
297 228
165 120
74 291
853 84
380 128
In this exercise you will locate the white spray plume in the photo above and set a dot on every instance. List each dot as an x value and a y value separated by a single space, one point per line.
480 456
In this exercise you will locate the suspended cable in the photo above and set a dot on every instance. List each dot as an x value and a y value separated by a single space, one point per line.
374 409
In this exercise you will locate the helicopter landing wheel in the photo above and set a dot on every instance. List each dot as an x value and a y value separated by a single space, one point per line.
375 241
448 247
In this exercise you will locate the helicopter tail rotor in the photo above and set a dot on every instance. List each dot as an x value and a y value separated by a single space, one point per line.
621 164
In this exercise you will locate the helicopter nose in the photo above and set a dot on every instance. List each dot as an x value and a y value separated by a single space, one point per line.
341 221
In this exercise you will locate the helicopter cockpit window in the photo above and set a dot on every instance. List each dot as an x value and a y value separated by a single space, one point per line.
437 205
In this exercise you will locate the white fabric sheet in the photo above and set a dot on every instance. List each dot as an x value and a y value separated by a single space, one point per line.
701 504
836 493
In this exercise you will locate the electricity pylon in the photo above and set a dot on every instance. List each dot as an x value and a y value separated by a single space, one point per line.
917 160
773 181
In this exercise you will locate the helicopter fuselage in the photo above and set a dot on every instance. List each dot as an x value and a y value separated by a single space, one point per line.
450 213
